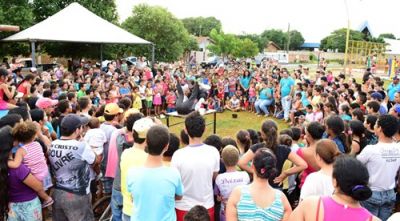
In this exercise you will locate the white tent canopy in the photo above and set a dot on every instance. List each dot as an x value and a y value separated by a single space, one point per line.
76 24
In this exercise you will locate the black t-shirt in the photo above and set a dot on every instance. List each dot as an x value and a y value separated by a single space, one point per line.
281 152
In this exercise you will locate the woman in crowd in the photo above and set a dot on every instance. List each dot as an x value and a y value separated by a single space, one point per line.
351 187
269 133
259 201
5 92
320 183
314 132
358 139
265 99
335 131
19 188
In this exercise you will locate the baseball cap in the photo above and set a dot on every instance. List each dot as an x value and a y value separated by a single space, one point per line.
376 95
33 69
45 102
112 109
73 122
141 127
131 111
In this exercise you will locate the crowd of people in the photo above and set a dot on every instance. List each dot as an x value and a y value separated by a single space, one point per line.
71 136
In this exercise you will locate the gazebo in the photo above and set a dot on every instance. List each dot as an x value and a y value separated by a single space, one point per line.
62 27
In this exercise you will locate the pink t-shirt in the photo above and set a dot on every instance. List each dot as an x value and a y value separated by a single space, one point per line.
335 211
252 92
113 160
35 160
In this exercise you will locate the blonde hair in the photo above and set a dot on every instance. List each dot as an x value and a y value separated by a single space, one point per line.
230 155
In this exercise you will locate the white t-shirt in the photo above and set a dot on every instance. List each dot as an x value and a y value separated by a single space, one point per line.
196 165
226 182
317 184
382 161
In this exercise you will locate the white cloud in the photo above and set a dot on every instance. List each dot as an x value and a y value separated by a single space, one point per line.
315 19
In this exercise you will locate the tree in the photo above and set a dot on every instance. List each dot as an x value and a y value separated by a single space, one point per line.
106 9
296 40
245 48
200 26
158 25
222 44
260 41
15 12
387 35
277 36
337 39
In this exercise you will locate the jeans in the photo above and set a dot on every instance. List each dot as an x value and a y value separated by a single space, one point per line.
116 205
263 105
126 217
286 102
70 206
107 184
29 210
380 204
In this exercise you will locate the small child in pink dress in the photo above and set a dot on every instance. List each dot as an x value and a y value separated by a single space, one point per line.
31 154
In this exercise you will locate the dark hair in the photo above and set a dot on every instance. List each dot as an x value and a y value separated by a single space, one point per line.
70 95
84 102
137 139
94 122
131 119
10 120
354 105
287 131
228 141
316 130
24 131
358 129
270 130
371 120
327 150
47 93
126 101
358 113
184 137
63 106
157 139
388 124
374 105
345 108
264 163
336 125
285 139
255 138
195 124
354 182
215 141
173 145
243 137
363 97
296 133
108 117
6 146
21 111
37 115
197 213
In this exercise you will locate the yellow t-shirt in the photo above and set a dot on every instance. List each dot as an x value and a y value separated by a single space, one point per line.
131 158
137 101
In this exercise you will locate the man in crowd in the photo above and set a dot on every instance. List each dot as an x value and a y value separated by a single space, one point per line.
198 165
70 162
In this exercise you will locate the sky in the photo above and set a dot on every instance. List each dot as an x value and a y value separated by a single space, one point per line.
315 19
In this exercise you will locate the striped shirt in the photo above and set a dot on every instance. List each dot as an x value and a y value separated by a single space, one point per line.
248 210
35 160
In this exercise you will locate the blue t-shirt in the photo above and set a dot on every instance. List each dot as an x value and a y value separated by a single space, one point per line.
153 191
124 90
286 86
304 100
245 81
266 94
392 89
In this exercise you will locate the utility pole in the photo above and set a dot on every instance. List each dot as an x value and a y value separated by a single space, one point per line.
288 42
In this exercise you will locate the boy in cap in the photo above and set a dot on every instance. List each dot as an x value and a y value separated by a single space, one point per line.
132 158
70 162
155 184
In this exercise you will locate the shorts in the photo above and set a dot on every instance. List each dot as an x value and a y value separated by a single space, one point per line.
252 99
149 104
47 183
29 210
299 113
70 206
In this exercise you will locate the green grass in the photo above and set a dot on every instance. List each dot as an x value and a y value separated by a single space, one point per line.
228 126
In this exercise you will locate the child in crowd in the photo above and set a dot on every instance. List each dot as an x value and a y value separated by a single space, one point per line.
226 182
170 100
31 154
149 98
197 213
95 138
136 98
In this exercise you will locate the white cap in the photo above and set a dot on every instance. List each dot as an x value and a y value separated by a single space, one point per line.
143 125
33 69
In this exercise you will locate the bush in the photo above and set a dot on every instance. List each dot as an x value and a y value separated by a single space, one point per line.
312 57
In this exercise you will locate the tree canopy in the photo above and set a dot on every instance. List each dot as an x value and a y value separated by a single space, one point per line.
15 12
387 35
158 25
201 26
337 39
